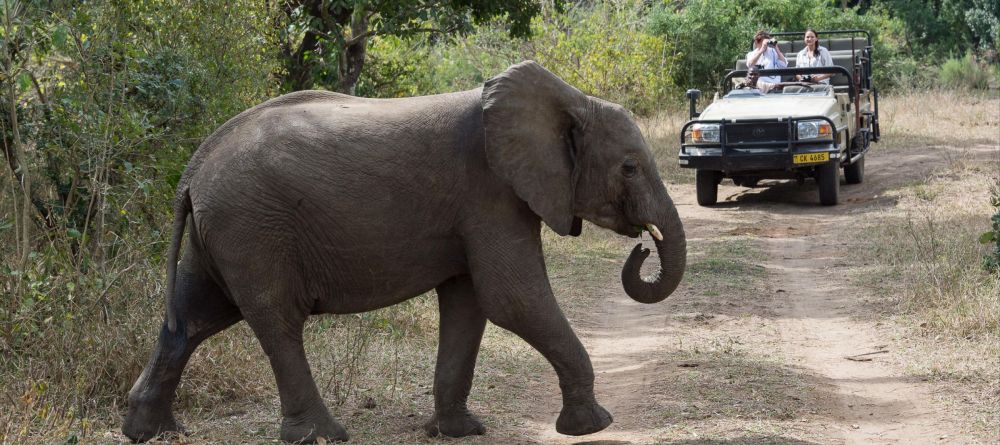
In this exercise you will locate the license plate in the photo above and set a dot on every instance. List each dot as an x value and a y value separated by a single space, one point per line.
810 158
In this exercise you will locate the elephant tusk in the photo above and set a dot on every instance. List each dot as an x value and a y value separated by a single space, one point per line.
653 230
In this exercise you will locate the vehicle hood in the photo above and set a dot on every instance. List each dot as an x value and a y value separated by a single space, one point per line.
775 106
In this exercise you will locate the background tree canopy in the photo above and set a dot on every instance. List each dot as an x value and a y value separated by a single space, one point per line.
325 42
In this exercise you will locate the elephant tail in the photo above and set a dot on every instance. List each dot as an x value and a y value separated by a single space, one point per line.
182 207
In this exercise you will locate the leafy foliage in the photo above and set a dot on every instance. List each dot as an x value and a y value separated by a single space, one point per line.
710 35
991 261
964 73
945 27
109 101
605 51
326 42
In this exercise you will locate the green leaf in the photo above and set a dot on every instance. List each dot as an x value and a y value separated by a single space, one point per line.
987 237
59 36
24 81
73 233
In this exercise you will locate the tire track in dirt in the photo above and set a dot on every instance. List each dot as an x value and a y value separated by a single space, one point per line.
874 404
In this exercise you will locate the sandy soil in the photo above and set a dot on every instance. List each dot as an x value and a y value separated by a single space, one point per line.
819 369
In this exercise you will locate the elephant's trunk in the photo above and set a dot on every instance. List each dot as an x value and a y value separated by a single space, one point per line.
673 259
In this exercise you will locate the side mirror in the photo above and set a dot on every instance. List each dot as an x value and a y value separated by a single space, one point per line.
693 95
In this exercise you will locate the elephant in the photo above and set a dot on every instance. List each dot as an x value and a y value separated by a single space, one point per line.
317 202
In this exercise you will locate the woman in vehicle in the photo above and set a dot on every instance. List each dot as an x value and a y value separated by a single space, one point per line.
813 56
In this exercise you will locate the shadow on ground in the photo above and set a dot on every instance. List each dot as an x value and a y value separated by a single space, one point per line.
745 440
882 174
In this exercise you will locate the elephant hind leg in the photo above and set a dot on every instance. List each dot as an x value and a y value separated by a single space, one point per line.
462 326
305 418
204 311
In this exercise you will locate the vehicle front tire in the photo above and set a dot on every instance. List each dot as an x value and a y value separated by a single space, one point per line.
828 179
855 173
707 187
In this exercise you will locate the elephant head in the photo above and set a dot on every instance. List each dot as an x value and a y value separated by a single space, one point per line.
572 156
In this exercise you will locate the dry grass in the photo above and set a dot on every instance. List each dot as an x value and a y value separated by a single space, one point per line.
929 239
662 134
924 259
939 118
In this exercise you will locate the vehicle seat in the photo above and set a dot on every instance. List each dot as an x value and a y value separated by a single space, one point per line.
846 44
847 61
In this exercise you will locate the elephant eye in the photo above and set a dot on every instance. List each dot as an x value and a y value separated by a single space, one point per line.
630 168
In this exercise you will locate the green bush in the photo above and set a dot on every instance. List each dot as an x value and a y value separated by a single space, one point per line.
112 98
991 262
964 73
603 49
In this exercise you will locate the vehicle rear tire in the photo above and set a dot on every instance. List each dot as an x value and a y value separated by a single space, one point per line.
855 173
707 187
828 179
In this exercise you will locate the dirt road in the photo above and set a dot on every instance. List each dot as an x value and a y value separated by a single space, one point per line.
784 354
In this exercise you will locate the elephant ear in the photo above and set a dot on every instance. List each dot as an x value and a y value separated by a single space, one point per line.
530 117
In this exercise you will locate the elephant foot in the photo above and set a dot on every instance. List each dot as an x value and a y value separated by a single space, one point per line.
578 420
454 425
309 428
143 424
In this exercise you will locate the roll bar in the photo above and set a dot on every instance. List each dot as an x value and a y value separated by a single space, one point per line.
867 34
727 80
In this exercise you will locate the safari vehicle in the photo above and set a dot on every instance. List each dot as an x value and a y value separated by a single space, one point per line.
797 130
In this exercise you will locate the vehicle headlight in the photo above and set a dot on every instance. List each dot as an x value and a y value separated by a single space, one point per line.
814 129
690 151
705 133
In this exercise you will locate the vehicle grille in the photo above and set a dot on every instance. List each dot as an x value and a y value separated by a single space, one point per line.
761 132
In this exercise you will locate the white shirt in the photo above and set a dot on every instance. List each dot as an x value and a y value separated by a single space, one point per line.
805 59
770 61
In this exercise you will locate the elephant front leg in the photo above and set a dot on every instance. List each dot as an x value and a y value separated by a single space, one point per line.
462 326
513 291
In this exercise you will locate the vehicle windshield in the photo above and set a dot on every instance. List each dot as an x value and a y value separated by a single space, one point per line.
796 89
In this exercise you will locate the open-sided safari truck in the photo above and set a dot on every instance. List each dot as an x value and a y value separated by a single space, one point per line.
796 130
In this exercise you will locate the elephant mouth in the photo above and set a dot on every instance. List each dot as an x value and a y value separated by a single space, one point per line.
627 228
635 231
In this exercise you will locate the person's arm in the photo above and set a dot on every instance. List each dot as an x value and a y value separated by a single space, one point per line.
753 57
780 62
825 59
798 62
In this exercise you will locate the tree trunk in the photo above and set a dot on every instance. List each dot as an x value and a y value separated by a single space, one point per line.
352 54
15 153
19 166
300 70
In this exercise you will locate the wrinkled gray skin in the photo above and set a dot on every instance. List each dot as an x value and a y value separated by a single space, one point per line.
316 202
